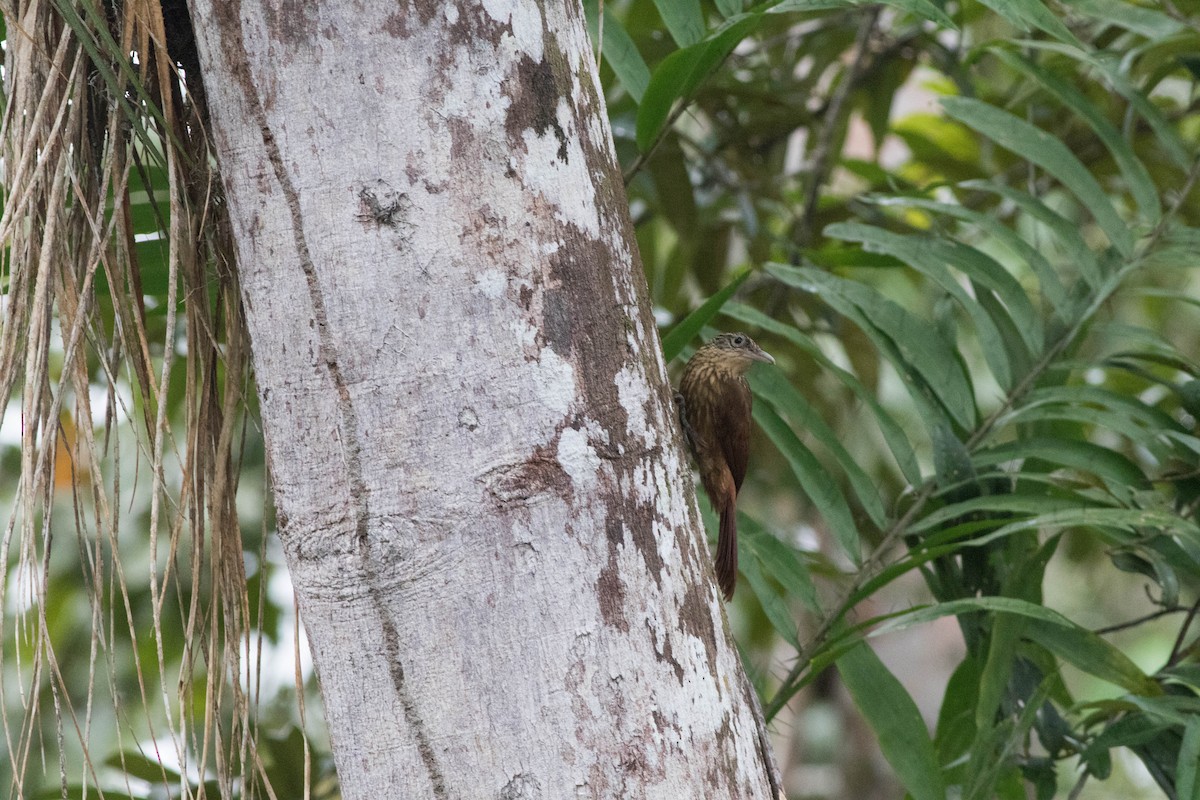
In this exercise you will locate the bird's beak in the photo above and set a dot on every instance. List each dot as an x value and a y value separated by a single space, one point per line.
763 356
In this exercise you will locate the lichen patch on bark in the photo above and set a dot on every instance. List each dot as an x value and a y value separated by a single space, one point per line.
472 24
696 619
610 589
293 24
536 89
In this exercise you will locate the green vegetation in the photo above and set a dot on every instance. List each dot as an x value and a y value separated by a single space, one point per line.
972 232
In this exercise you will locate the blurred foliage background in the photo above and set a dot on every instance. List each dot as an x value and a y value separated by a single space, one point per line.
968 233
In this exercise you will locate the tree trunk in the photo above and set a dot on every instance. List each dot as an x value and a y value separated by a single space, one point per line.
480 488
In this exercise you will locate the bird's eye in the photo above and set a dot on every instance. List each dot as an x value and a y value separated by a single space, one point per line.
738 341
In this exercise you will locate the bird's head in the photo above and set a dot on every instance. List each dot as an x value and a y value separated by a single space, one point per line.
736 351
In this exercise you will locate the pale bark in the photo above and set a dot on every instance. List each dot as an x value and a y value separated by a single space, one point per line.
481 493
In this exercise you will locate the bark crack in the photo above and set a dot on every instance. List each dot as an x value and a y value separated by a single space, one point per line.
229 19
412 716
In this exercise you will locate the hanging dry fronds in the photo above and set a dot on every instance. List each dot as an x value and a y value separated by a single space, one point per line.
124 353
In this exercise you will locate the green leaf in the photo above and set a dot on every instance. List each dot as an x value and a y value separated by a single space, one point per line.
139 766
1172 708
956 719
1104 519
1047 151
1187 674
770 597
683 19
1007 605
1187 769
1096 418
1164 129
913 560
1150 562
1136 341
1087 458
772 386
1137 177
931 257
1149 22
1132 730
952 462
729 8
894 717
673 184
782 563
1013 338
1026 14
987 271
927 363
893 433
924 9
1051 286
1090 653
801 6
682 72
1189 397
619 51
997 671
998 506
814 479
1131 407
1051 630
1065 231
1113 67
1101 409
690 325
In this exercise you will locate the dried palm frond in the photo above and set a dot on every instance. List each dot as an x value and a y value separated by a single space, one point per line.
105 144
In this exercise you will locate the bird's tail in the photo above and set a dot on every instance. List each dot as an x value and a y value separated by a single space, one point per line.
727 556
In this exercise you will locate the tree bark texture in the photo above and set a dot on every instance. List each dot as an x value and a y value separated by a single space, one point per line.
480 488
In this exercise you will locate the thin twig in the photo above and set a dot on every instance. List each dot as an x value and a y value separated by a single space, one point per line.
822 153
1177 648
1077 789
1133 623
642 158
870 569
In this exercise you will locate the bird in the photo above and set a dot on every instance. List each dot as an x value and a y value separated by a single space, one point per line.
714 407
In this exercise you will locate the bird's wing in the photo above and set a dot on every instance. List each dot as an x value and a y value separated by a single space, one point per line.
734 424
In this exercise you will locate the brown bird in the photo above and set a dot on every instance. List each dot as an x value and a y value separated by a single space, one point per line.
715 402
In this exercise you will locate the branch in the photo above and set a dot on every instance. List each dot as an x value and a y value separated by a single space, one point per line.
875 563
822 158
